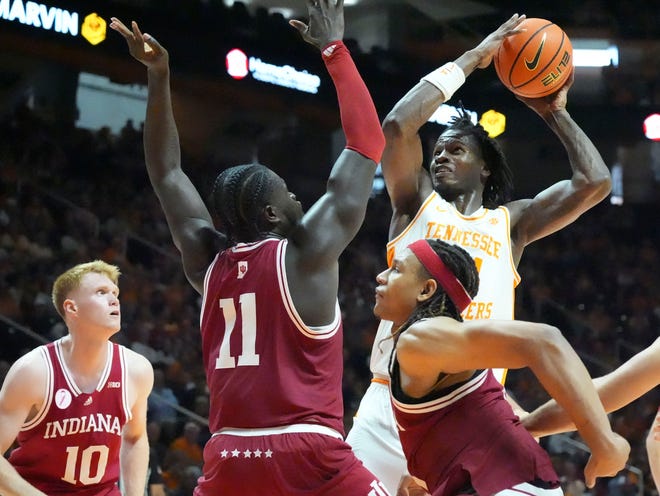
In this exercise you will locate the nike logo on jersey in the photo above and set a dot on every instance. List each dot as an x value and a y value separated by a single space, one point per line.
531 64
88 401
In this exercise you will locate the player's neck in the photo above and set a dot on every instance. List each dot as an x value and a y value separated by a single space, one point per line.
84 357
467 204
271 234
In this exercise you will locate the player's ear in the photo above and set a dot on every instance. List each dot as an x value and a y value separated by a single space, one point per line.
69 306
428 290
270 214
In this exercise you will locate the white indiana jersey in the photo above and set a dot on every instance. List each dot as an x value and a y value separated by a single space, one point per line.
485 235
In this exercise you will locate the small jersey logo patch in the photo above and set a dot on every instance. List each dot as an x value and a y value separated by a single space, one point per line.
62 398
242 269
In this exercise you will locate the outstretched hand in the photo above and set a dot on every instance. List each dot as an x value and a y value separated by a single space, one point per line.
608 463
550 103
491 43
142 46
326 22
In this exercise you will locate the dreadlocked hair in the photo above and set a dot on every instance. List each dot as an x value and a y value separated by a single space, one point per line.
238 197
461 264
499 185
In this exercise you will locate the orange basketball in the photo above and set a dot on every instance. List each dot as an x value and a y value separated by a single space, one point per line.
536 62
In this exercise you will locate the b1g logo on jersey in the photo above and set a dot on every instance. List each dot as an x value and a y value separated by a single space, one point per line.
62 398
242 269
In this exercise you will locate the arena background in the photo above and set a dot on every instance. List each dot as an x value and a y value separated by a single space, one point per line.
73 185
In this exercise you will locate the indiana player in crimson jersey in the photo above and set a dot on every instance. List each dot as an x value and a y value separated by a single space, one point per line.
77 407
458 432
271 326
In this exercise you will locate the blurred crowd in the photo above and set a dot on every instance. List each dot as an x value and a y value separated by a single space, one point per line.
70 195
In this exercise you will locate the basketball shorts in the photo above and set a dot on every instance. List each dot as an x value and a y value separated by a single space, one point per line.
258 462
375 438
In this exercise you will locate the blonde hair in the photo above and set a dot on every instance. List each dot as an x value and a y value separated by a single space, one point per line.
70 280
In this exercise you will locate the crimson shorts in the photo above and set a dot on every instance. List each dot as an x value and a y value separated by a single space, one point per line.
287 464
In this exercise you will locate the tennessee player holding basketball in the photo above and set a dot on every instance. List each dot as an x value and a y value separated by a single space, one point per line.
77 407
271 326
465 198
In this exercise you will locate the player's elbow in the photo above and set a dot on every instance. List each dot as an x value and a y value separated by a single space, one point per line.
596 187
395 126
550 341
601 186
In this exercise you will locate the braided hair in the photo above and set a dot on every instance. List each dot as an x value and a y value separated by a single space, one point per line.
463 267
239 195
499 185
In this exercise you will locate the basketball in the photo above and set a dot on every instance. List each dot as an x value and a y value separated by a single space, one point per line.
536 62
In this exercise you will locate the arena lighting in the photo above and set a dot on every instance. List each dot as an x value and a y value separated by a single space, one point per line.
446 113
594 53
652 127
239 65
493 122
39 15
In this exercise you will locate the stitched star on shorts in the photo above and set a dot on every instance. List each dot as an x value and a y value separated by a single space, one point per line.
257 453
224 453
268 453
247 453
235 453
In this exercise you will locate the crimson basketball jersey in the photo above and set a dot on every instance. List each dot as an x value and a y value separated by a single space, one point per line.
72 445
264 366
485 235
467 437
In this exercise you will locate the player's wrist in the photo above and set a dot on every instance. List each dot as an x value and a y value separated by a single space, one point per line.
447 79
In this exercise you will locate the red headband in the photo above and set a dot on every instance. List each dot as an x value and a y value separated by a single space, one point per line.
441 273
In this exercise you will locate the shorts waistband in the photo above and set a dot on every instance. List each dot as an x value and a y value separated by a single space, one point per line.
285 429
380 380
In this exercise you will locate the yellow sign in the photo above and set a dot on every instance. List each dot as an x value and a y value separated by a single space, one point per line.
94 28
493 122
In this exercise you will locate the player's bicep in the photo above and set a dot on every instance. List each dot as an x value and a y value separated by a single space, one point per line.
22 394
141 384
551 210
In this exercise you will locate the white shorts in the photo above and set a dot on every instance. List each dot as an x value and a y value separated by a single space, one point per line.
375 438
526 489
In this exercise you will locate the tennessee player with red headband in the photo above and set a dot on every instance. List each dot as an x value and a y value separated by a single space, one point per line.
458 432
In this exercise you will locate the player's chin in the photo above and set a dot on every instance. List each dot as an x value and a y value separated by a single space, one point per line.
379 310
376 309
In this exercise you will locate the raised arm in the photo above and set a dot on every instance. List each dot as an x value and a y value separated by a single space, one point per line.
188 218
406 180
653 450
629 381
563 202
22 390
441 344
134 454
335 218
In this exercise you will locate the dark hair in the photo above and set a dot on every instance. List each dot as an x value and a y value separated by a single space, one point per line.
239 195
463 267
499 185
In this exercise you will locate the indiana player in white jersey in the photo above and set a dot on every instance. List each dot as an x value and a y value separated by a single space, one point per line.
468 171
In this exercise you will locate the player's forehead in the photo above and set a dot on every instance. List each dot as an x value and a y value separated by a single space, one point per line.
456 136
96 280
